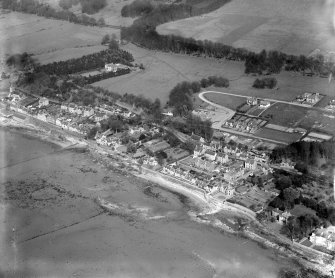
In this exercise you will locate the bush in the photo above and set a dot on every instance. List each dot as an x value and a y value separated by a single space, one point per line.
267 82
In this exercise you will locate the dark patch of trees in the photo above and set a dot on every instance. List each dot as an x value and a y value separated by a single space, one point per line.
87 62
180 97
306 153
266 82
43 9
137 8
92 6
22 61
95 78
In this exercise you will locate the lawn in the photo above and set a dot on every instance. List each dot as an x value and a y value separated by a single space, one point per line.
319 122
285 114
42 36
294 27
277 135
230 102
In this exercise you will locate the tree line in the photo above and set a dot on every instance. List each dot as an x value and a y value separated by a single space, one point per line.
87 62
104 75
45 10
143 33
87 6
180 97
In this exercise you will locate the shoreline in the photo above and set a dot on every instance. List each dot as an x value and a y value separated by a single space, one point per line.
205 205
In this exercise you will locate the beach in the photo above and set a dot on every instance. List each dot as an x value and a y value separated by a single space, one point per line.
52 225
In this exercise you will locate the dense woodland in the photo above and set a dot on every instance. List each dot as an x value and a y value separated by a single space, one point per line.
42 9
143 32
180 97
308 153
87 62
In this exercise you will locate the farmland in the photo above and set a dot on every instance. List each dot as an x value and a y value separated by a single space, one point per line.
285 114
41 36
278 135
294 27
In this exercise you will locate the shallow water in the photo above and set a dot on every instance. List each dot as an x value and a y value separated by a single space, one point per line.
52 226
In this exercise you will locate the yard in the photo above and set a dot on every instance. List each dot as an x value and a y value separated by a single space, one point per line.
285 114
323 122
277 135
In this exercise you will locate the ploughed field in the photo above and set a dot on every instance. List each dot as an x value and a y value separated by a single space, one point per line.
291 26
48 39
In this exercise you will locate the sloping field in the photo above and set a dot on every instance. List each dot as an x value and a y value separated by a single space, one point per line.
164 70
230 102
291 26
38 35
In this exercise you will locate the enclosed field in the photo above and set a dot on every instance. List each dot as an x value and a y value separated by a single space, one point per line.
163 71
277 135
285 114
320 122
231 102
48 39
294 27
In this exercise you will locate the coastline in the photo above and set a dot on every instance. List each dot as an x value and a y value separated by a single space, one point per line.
205 205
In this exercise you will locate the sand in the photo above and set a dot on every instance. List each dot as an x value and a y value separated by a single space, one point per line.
61 231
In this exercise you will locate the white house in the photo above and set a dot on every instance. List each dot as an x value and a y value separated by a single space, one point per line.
210 155
88 112
324 237
264 104
114 67
197 151
228 190
250 164
222 158
43 101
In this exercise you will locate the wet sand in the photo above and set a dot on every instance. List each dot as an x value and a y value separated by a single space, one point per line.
52 226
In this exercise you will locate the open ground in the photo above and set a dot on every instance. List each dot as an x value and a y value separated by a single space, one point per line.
41 36
293 27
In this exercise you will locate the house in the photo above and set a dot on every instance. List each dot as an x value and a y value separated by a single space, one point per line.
233 174
43 101
282 218
324 237
100 116
88 112
228 190
250 164
222 158
264 104
197 139
114 67
210 155
252 101
197 151
151 161
287 164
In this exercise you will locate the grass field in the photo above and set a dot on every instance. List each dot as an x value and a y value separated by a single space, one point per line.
41 36
318 121
291 26
278 135
285 114
230 102
164 70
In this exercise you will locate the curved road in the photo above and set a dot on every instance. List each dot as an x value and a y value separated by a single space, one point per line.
201 96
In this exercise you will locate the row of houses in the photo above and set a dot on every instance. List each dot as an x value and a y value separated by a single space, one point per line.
263 104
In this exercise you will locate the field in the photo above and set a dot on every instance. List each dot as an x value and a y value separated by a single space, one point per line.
278 135
319 122
164 70
294 27
48 39
285 114
230 102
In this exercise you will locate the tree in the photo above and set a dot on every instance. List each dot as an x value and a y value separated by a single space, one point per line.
131 147
261 217
92 132
289 228
188 145
113 44
105 39
125 138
